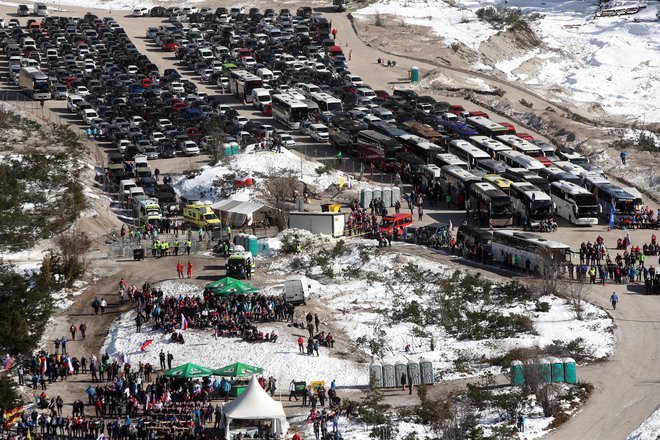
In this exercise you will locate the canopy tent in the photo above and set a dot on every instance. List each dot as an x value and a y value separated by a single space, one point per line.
256 404
230 286
189 371
238 369
237 213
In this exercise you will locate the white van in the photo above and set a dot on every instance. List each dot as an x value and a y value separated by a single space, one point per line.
72 102
296 289
266 75
40 9
125 188
260 98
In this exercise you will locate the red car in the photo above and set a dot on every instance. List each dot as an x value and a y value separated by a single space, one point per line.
525 136
169 46
479 113
178 106
382 94
509 126
193 132
456 109
268 109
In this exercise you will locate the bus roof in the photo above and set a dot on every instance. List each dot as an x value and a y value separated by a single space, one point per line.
289 100
462 129
570 187
484 122
531 238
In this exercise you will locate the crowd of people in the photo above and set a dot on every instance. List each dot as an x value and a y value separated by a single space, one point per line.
646 218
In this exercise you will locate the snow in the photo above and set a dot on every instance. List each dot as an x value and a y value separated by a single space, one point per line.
64 298
581 53
648 430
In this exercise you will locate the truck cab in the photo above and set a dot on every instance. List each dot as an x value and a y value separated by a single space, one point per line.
240 265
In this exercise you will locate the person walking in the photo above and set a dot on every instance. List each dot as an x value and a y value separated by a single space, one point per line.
190 266
83 329
614 299
179 269
624 156
176 247
317 322
104 304
73 330
170 358
403 381
188 246
161 356
301 345
292 390
410 386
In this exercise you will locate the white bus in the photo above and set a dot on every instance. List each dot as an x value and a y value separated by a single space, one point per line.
443 159
529 247
327 102
555 174
521 145
569 167
490 204
457 183
289 111
574 203
591 179
608 195
485 126
420 147
489 145
467 152
530 203
242 82
34 83
516 159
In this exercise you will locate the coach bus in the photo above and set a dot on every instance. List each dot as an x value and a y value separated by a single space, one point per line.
467 152
555 174
485 126
327 102
426 131
344 133
420 147
242 82
525 147
589 179
516 159
574 203
443 159
460 130
530 203
608 195
490 204
530 247
377 149
289 111
34 83
457 182
489 145
498 181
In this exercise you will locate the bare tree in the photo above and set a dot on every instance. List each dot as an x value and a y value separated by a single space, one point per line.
73 247
278 191
215 142
575 296
551 265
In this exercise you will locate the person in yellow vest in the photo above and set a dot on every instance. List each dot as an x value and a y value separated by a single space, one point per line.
228 232
154 247
167 248
298 248
188 246
176 246
162 248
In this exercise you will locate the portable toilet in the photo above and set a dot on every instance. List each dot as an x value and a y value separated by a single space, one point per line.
376 194
414 74
365 197
376 375
396 194
400 368
546 372
414 374
570 371
389 375
517 373
253 245
387 197
557 370
235 148
426 367
228 151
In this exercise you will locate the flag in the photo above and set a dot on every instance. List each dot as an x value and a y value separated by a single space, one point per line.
611 216
29 436
342 180
124 358
627 240
146 344
44 365
184 323
8 362
69 364
451 225
12 415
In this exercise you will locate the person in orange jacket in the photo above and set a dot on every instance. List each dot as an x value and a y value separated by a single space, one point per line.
189 269
179 269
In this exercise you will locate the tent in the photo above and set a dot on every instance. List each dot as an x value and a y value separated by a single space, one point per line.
256 404
238 369
237 213
189 371
230 286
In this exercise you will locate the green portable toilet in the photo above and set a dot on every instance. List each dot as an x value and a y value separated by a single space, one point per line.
414 74
546 371
389 375
235 148
557 369
570 370
517 373
228 150
376 194
253 245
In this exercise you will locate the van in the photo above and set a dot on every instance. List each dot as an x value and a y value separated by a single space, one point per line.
384 114
134 193
40 9
296 289
266 75
260 98
72 102
125 188
201 215
396 221
22 11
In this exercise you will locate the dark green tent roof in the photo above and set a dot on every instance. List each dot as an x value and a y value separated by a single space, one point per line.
238 369
230 286
189 371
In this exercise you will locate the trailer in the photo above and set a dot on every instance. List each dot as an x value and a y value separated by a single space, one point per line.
327 223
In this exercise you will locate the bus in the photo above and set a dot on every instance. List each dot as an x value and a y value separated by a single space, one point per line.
457 183
242 82
387 129
489 145
608 195
34 83
525 147
443 159
458 129
467 152
420 147
516 159
485 126
426 131
377 149
408 165
491 205
591 178
539 251
498 181
525 175
574 203
491 166
555 174
289 111
530 204
327 102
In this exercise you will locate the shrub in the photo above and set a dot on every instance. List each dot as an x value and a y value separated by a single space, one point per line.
526 103
577 349
379 21
542 306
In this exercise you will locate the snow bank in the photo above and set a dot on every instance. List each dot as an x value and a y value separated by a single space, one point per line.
649 430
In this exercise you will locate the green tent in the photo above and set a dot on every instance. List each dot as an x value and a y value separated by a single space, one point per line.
230 286
238 369
189 371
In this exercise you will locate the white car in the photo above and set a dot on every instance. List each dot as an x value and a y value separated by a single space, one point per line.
88 116
177 87
286 140
140 12
240 120
82 91
122 145
304 127
319 132
248 61
190 148
164 124
156 137
136 121
353 80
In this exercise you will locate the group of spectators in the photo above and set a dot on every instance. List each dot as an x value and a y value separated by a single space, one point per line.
645 218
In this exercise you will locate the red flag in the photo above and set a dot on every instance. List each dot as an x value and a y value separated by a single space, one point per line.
146 344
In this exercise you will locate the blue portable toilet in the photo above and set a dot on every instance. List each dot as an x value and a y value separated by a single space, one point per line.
235 148
426 367
546 370
517 373
557 370
414 374
228 151
389 375
366 195
253 245
570 370
400 368
376 375
414 74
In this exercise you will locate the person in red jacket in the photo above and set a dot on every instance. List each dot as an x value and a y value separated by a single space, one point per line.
297 436
179 269
301 344
189 269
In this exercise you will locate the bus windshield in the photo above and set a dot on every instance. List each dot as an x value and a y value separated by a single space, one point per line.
298 114
334 107
500 206
41 86
626 206
541 208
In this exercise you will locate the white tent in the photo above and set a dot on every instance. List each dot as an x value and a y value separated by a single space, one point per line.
256 404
